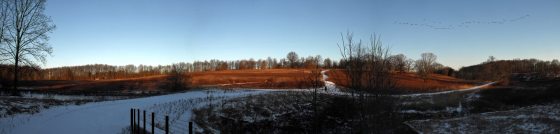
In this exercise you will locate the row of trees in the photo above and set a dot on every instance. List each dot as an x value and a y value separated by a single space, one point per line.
105 72
24 30
393 63
496 70
268 63
423 67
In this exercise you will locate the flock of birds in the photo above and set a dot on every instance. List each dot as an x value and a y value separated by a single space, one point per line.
465 24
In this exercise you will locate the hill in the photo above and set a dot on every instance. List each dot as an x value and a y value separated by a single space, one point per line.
262 79
410 82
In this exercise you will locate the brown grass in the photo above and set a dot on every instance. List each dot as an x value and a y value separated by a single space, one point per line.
271 78
264 79
412 82
147 84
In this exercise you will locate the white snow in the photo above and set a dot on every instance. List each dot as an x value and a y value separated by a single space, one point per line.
476 88
533 119
66 97
97 118
331 87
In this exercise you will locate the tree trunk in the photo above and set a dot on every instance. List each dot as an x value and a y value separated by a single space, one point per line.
16 76
16 67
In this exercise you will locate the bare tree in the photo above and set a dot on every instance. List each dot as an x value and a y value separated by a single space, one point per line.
292 58
378 68
315 82
425 65
327 63
180 79
27 34
398 62
409 64
491 59
368 71
3 20
3 30
352 54
555 66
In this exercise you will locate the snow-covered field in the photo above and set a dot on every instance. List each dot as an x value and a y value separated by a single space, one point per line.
529 120
102 117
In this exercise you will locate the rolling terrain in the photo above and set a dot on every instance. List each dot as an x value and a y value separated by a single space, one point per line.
262 79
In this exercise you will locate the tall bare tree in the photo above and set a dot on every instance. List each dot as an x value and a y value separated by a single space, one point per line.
425 65
378 68
292 58
352 54
180 78
3 26
398 62
27 34
327 63
368 71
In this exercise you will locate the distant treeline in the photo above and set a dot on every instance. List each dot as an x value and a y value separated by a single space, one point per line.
398 63
493 70
106 72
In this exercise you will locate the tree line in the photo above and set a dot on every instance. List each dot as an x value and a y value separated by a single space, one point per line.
496 70
395 63
108 72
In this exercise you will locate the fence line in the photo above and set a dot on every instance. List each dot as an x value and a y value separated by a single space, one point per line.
139 124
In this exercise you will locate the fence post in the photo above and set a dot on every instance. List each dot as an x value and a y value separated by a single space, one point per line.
131 121
190 128
144 122
135 122
166 124
138 127
153 124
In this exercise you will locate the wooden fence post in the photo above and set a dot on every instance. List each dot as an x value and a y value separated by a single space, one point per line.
190 128
144 122
131 120
138 126
153 123
166 124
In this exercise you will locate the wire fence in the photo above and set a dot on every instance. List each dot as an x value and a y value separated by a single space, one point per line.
142 122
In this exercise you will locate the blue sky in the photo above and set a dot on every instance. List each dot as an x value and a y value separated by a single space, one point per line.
151 32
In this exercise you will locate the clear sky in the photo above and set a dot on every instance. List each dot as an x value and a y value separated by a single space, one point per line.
153 32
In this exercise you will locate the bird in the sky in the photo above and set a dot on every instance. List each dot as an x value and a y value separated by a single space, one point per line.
464 24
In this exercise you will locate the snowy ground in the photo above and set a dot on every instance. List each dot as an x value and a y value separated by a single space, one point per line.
535 119
102 117
330 86
113 116
446 101
472 89
30 103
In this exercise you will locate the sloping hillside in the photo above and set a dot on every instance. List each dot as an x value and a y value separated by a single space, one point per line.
412 82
